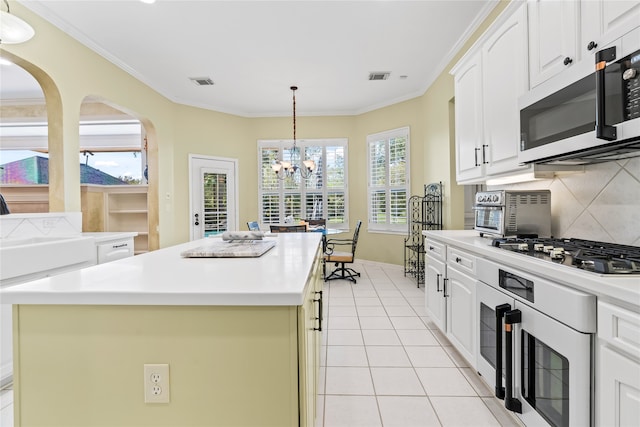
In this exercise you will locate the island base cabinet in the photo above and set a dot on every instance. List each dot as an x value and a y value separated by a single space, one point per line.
619 390
83 365
461 313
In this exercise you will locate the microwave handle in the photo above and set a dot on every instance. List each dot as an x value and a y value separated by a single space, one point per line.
603 131
510 402
500 311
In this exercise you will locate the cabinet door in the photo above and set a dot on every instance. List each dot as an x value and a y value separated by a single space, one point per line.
603 21
435 302
618 389
468 118
553 27
461 313
309 321
504 79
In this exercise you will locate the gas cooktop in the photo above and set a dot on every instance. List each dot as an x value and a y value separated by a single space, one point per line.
588 255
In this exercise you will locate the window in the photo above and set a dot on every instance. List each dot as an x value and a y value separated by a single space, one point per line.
322 195
388 154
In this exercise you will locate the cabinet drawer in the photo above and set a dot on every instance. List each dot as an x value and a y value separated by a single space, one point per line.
461 260
619 327
114 250
435 249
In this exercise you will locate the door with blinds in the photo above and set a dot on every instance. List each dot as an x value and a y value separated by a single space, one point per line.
213 196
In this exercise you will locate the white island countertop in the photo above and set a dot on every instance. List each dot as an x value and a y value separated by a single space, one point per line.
163 277
620 289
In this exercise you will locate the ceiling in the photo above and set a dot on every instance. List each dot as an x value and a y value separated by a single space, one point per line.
254 51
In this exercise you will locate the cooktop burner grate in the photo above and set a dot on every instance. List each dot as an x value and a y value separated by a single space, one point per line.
589 255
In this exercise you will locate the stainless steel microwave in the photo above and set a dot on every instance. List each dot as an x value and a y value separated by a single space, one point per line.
586 116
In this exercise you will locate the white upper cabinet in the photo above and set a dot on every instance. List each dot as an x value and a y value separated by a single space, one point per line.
468 117
553 44
488 82
604 21
504 62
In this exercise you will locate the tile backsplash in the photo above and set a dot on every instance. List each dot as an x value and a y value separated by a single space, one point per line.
40 224
603 203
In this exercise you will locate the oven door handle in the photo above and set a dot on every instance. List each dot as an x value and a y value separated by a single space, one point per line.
510 402
603 131
500 311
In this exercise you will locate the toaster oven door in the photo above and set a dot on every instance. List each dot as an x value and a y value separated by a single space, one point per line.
489 219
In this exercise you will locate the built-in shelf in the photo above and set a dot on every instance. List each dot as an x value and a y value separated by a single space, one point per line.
126 209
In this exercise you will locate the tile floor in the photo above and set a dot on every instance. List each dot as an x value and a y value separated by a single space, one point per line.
383 363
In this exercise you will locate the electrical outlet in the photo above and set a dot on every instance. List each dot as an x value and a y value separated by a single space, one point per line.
156 383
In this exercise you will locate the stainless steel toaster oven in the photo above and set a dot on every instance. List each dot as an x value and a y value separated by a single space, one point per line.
513 213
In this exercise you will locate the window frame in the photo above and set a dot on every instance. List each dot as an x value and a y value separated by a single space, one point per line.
282 192
388 189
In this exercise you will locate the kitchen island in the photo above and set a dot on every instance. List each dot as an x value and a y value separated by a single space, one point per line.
237 333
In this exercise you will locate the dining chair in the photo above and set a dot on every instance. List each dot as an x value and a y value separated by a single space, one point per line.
341 258
253 226
298 228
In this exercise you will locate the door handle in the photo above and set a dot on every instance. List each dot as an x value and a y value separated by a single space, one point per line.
603 131
510 402
500 311
197 220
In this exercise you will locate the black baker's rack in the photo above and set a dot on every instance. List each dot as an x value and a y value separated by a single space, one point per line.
423 213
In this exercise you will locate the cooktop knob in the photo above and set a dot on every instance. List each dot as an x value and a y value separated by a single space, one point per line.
538 247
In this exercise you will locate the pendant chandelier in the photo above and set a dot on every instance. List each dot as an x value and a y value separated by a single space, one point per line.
284 169
13 30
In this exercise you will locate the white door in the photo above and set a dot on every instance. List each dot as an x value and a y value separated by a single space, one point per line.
213 200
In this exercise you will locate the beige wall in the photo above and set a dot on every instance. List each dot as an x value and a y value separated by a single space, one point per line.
178 130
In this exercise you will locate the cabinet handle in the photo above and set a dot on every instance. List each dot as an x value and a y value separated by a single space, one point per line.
444 287
592 45
319 318
458 259
476 156
438 282
431 248
484 154
567 61
122 245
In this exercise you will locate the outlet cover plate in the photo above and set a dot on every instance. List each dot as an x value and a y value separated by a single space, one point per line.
156 383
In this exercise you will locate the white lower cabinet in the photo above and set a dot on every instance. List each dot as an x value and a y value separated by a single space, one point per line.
618 367
461 312
450 289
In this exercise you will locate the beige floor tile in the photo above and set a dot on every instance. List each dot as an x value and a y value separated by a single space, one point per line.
339 311
429 357
394 301
341 301
455 355
477 382
351 411
399 311
375 323
410 337
380 337
445 382
346 355
408 322
344 337
320 411
348 380
475 413
368 302
343 323
371 311
390 293
396 381
504 417
387 356
407 411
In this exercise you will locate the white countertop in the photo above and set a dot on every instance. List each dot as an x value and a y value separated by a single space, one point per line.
106 236
620 289
163 277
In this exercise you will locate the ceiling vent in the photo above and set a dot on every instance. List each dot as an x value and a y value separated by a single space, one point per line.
384 75
202 81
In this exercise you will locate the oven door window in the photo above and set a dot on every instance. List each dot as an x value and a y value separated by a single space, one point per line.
489 218
545 380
